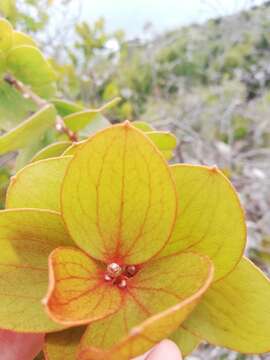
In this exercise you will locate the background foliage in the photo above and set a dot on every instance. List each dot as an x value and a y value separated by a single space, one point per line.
208 84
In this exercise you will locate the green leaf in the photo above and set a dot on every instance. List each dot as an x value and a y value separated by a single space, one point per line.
63 345
72 149
28 65
156 301
11 115
44 179
126 173
19 39
28 131
80 120
211 219
235 312
142 125
186 342
52 150
2 64
27 237
99 123
168 154
25 154
164 141
8 8
65 108
6 35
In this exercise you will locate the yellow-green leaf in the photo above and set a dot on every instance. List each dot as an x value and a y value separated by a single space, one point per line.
168 154
63 345
28 65
11 115
99 123
26 239
118 195
186 342
8 8
210 218
65 108
157 300
72 149
19 39
164 140
2 65
28 131
80 120
6 35
78 293
25 155
235 312
38 185
52 150
142 125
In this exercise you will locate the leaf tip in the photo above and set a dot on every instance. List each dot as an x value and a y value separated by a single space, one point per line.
44 301
13 179
127 125
213 169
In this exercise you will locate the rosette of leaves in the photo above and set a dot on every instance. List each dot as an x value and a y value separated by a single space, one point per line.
109 250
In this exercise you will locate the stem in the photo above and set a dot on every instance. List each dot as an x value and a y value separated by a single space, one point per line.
27 93
61 127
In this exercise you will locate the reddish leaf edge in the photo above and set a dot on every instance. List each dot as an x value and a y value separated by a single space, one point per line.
81 144
100 354
51 288
214 169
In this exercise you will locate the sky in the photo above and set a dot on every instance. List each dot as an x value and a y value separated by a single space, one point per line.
131 15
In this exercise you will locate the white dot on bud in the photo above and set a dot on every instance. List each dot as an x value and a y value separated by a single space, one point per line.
122 284
107 277
114 269
59 127
131 270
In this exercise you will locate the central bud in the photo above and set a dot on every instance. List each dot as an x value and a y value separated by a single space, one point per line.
114 270
119 275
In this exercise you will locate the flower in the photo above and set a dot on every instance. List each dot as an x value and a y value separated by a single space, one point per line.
138 250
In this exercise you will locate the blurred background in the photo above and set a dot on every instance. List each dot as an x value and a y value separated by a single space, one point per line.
200 69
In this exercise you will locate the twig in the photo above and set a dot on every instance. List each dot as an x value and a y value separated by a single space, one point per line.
61 127
27 93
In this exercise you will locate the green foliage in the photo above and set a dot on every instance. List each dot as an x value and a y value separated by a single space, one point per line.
11 115
28 131
28 65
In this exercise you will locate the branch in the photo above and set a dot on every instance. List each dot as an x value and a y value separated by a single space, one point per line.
62 128
27 93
